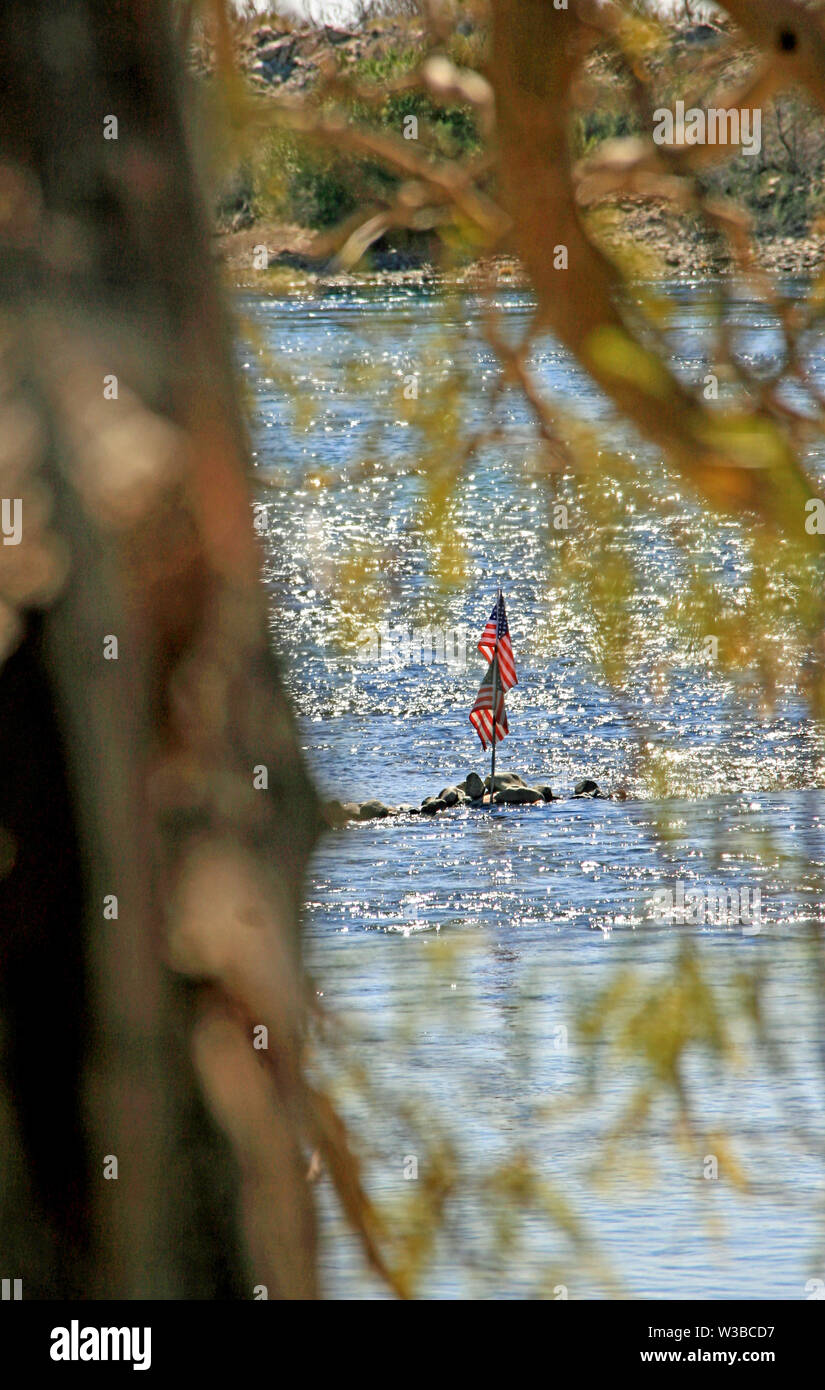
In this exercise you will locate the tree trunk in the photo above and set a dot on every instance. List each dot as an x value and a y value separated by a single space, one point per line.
129 772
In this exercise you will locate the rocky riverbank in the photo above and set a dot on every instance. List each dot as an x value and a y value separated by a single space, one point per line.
510 789
672 253
283 62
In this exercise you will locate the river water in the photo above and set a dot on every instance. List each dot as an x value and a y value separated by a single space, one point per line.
460 954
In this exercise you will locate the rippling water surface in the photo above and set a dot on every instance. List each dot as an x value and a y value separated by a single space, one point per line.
460 950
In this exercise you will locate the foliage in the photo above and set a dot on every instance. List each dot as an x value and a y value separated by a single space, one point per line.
538 139
736 465
299 182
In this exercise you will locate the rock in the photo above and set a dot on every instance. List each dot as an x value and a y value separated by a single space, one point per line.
333 35
278 59
473 786
702 34
373 810
431 805
505 779
546 792
587 787
297 260
338 812
453 796
517 796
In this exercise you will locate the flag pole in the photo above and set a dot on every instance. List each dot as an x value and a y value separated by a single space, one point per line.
495 701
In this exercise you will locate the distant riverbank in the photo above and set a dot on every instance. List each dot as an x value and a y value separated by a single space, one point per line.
667 248
289 194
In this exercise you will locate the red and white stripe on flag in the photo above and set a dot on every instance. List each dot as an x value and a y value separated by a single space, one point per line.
481 715
496 629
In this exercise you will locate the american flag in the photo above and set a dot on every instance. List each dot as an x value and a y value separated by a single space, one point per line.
497 630
481 715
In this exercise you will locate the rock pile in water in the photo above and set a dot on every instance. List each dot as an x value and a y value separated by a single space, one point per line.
510 790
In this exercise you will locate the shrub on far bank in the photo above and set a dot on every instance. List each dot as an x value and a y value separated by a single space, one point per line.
296 181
